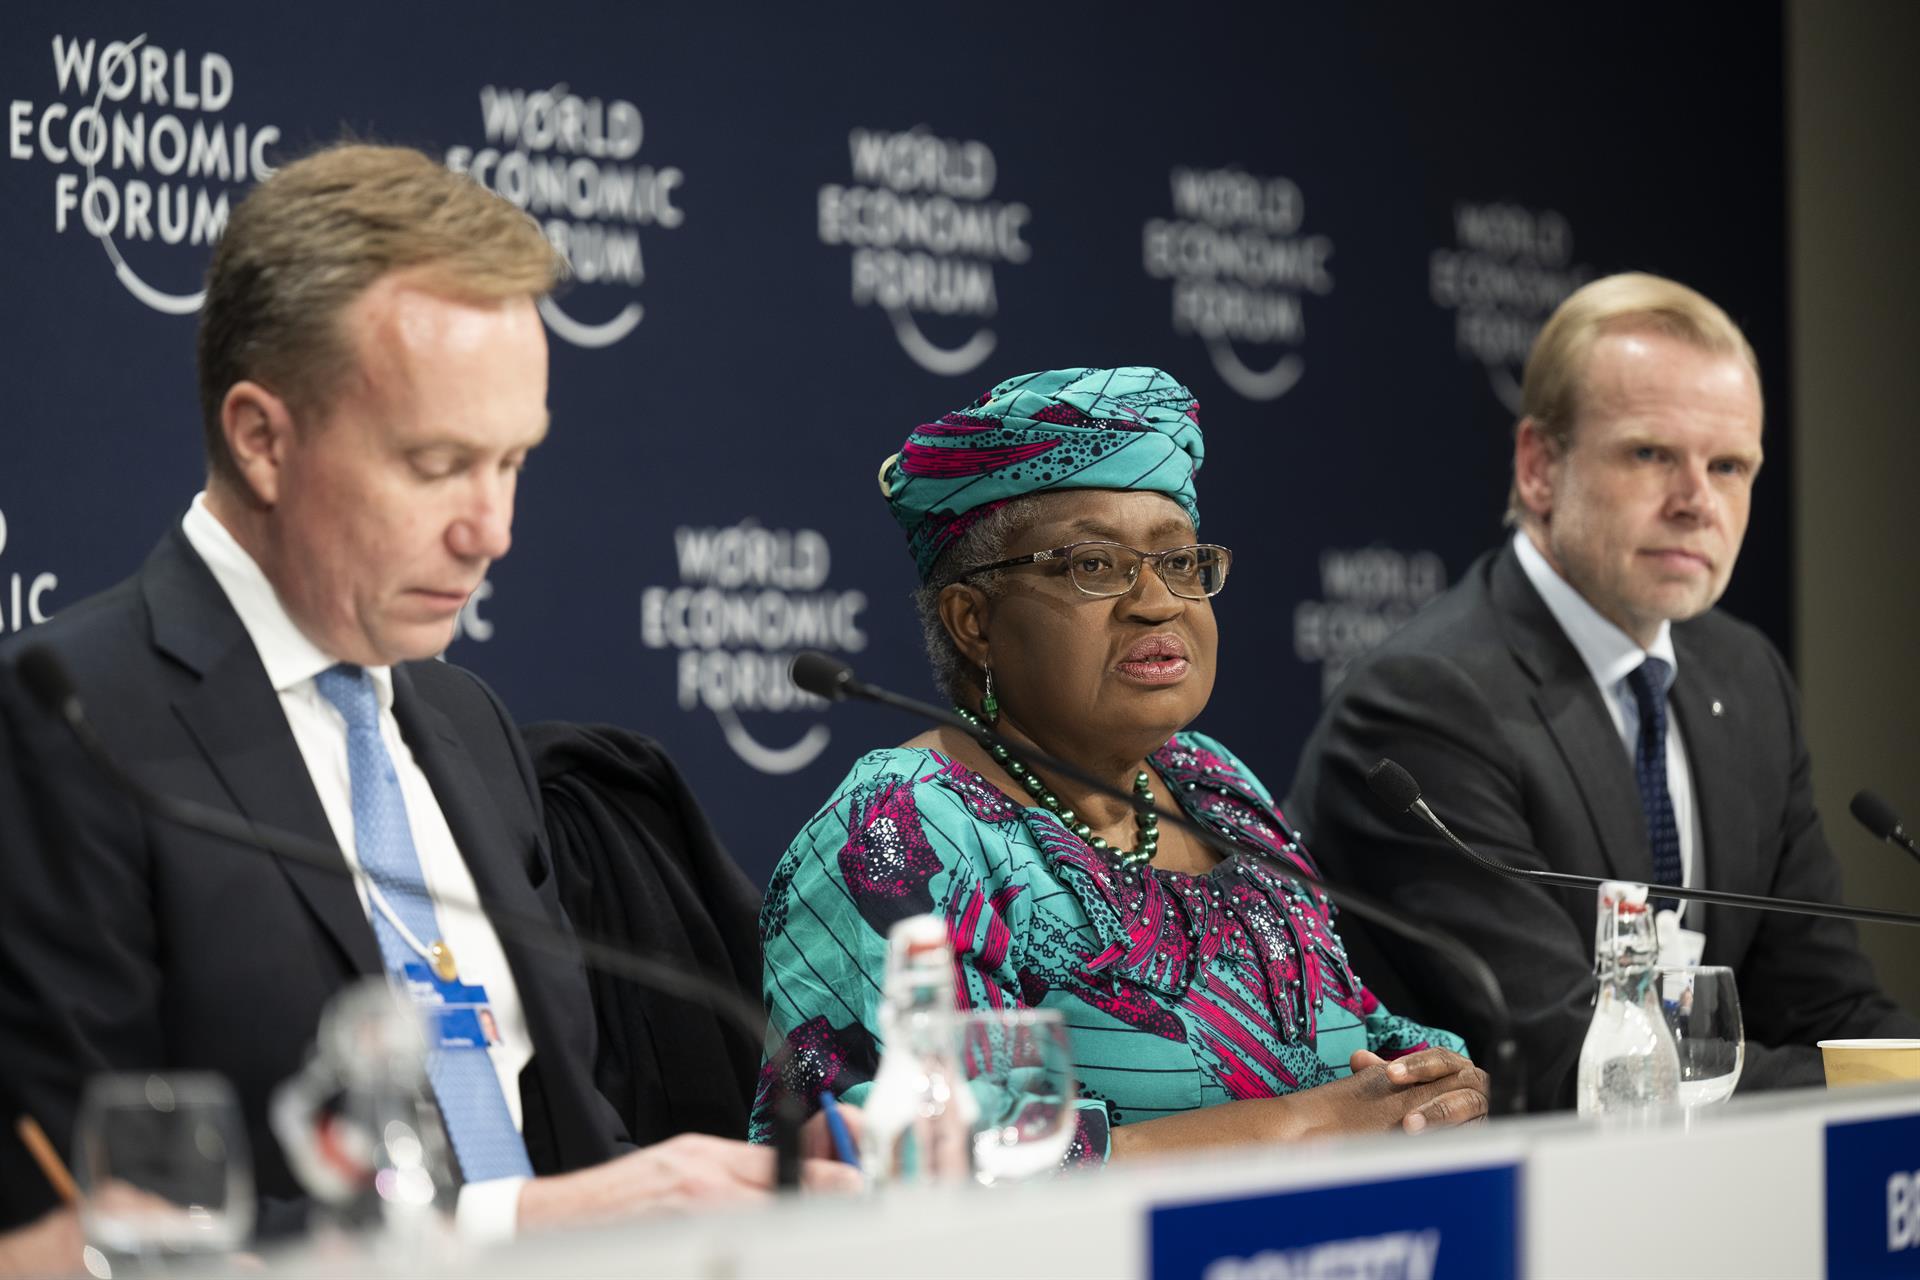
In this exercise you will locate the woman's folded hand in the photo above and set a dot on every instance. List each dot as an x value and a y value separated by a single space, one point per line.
1432 1088
1463 1101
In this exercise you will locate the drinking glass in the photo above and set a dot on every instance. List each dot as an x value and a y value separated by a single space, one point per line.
1019 1067
1703 1009
357 1123
162 1165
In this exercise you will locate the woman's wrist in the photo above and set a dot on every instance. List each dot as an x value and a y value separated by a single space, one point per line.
1254 1121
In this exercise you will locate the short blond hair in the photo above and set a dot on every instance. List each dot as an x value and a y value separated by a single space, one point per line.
1633 301
312 238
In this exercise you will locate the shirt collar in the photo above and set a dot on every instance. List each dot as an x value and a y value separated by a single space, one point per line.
1609 653
289 657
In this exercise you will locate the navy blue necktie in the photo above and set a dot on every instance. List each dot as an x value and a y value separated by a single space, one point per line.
1649 682
464 1082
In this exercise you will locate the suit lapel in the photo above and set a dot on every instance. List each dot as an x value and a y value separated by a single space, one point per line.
492 856
236 720
562 1125
1568 703
1709 726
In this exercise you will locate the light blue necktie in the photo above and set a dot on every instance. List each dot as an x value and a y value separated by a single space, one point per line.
471 1103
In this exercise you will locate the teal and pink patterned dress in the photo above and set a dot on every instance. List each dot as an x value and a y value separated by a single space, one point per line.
1179 991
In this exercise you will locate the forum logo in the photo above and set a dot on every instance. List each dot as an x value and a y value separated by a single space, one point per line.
570 161
748 599
144 157
1506 270
23 596
1241 267
926 236
1366 594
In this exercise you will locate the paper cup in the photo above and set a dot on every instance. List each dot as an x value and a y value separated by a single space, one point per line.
1850 1062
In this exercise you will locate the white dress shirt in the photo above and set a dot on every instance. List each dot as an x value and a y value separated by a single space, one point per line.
486 1210
1611 655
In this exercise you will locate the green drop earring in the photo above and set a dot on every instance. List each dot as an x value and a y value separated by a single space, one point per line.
989 705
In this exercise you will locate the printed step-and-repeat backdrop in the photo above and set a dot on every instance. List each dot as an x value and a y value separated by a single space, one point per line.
798 230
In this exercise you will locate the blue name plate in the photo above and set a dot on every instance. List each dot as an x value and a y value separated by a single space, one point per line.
1463 1224
1873 1197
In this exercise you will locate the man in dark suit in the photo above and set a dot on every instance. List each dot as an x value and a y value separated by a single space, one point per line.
373 376
1574 703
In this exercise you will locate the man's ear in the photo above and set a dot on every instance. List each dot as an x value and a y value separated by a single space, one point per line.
967 613
258 428
1536 468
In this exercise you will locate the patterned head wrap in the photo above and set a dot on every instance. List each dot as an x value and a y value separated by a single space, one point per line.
1131 428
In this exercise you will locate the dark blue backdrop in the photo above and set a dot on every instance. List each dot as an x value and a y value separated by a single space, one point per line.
1338 224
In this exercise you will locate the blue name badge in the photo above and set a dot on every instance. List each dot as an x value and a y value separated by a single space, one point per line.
1464 1224
457 1014
1873 1197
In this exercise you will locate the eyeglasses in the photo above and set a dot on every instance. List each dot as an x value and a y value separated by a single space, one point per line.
1111 568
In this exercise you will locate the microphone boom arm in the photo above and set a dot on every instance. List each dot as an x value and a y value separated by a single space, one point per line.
1718 897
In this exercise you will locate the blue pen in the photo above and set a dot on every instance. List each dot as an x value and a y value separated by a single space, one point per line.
837 1126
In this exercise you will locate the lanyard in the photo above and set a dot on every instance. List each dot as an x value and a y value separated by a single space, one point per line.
437 954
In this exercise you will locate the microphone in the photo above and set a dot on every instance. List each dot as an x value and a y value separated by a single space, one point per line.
1877 816
829 678
47 682
1396 790
816 673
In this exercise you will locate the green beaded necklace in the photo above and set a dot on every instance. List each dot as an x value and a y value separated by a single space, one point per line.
1147 822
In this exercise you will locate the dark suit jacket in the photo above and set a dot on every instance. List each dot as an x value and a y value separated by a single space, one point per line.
1487 703
129 943
639 866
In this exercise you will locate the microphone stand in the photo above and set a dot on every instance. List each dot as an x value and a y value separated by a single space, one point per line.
1384 785
46 680
826 677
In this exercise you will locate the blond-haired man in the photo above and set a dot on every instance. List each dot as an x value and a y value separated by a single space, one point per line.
373 376
1575 703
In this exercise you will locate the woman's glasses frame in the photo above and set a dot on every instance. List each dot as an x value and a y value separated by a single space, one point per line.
1132 559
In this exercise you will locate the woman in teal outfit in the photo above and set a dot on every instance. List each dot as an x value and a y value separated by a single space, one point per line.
1066 599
